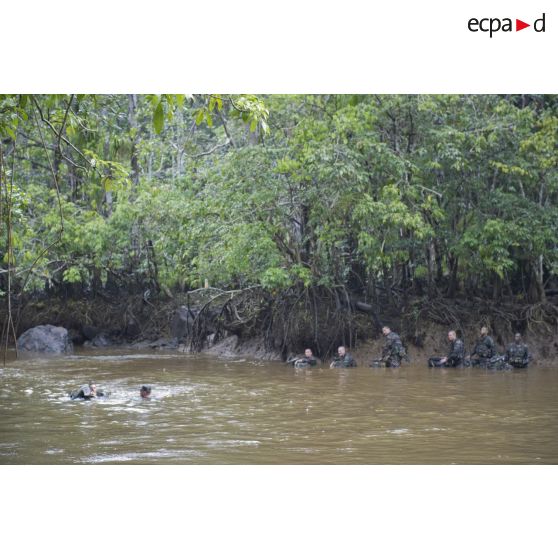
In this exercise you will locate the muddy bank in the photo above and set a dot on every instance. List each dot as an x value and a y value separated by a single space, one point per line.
189 323
544 350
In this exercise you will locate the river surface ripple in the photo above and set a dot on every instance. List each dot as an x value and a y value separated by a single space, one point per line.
206 410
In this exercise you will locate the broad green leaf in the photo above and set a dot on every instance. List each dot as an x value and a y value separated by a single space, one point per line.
200 116
159 118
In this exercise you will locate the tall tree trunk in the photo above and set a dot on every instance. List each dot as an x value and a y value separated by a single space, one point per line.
496 288
453 284
108 193
73 182
431 265
133 123
134 232
536 287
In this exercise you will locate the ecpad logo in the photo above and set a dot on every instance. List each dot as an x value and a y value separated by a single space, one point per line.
493 25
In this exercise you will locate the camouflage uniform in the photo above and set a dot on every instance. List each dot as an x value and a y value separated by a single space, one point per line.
456 356
393 350
484 350
304 362
346 361
517 354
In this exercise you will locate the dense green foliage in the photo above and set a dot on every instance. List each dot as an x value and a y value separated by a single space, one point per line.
434 195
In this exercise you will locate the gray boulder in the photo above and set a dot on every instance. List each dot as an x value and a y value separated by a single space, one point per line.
45 339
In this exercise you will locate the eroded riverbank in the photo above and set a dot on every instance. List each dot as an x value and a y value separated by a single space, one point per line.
132 323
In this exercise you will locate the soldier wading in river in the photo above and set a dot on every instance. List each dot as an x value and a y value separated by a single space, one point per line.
484 349
393 350
456 354
343 359
517 353
303 362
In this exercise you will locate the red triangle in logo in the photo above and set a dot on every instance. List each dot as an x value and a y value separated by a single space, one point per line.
519 25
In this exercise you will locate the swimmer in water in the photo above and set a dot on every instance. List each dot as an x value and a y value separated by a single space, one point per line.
145 392
87 392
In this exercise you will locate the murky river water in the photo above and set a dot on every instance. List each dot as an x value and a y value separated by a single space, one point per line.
206 410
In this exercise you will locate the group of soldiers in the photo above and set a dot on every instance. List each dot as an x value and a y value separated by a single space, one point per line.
484 354
392 354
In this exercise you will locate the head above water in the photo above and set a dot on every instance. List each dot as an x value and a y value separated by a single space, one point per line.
308 353
452 336
386 330
145 391
341 351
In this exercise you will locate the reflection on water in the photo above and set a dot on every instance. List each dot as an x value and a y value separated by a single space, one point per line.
205 410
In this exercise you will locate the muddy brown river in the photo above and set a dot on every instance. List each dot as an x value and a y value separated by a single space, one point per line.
205 410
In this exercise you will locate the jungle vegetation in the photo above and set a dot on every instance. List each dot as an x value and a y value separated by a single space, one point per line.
434 196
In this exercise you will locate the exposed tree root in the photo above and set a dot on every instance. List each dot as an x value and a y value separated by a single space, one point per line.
289 321
503 319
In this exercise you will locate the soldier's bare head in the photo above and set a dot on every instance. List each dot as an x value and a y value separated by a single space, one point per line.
452 336
308 353
484 330
341 351
386 330
518 337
